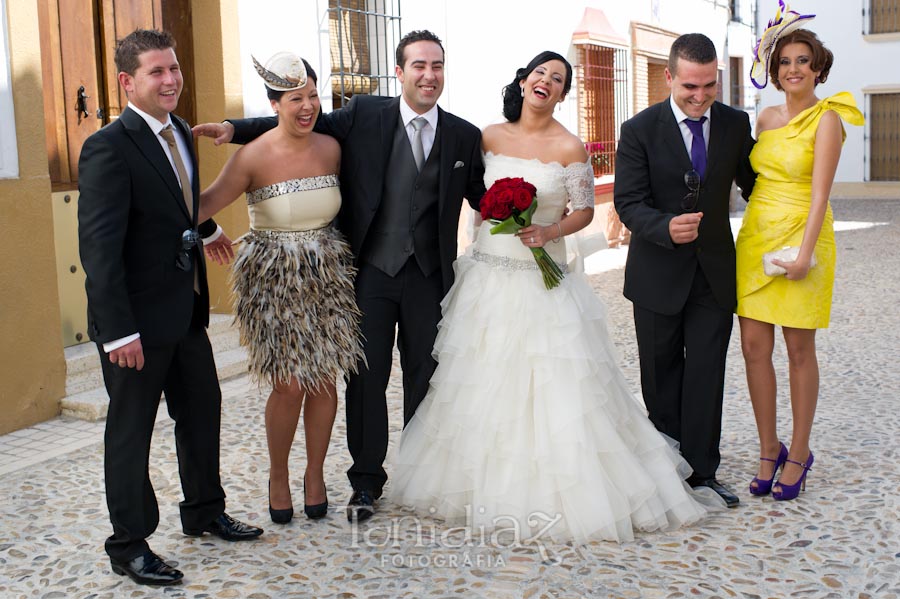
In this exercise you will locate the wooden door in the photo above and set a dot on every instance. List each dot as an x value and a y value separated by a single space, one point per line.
82 92
71 74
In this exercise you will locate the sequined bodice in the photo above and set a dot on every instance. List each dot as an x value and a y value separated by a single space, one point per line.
295 205
556 185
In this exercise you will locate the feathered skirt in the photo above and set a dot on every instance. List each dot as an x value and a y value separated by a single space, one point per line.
296 308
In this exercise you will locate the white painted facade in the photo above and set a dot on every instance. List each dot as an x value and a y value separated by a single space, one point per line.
485 41
862 64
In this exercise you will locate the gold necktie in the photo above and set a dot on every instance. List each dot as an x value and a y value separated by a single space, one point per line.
168 134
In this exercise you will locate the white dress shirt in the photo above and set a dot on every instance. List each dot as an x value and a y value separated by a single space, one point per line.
428 131
183 148
685 130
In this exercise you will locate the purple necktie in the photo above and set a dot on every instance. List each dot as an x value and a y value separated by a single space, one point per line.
698 146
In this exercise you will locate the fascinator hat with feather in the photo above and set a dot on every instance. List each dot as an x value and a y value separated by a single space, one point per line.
785 21
283 72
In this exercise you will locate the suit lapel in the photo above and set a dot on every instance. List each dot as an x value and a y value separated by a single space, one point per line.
448 154
671 132
185 130
390 114
142 136
717 129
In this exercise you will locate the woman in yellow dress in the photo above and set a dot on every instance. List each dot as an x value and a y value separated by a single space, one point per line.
795 157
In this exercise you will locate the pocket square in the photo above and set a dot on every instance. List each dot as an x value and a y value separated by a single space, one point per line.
459 164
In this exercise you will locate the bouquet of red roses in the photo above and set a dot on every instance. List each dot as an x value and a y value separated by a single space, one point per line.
509 204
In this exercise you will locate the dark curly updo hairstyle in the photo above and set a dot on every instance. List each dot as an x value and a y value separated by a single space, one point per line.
274 94
512 93
821 59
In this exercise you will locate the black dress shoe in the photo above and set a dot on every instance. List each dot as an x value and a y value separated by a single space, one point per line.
361 506
731 500
147 568
227 528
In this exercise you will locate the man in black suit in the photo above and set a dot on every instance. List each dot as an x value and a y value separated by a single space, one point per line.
675 164
148 306
406 166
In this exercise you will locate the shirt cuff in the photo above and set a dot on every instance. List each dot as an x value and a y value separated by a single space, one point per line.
112 345
214 236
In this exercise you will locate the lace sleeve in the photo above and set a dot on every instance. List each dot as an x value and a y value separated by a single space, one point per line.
579 177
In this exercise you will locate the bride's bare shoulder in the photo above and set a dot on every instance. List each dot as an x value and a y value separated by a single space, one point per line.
494 135
571 148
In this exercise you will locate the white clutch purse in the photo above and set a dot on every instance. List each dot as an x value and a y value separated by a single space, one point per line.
785 254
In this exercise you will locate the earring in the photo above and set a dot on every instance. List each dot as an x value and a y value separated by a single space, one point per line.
818 81
522 90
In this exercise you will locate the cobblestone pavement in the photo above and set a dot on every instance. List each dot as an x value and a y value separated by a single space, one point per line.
840 539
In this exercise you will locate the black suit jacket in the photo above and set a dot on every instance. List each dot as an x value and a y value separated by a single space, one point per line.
651 161
131 216
365 130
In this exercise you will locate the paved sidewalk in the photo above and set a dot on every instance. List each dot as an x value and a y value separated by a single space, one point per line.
840 539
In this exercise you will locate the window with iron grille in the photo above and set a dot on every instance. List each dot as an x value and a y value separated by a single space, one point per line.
363 35
602 79
882 16
884 137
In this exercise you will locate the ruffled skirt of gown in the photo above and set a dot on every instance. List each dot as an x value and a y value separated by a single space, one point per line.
529 425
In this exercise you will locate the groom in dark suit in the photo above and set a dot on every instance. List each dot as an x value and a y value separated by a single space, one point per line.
406 166
148 307
675 164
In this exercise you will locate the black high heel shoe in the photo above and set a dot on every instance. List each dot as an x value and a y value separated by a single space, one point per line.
280 516
317 511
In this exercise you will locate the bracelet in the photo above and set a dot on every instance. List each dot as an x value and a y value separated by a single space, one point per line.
560 233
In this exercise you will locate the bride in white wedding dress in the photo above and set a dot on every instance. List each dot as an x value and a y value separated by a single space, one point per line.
529 425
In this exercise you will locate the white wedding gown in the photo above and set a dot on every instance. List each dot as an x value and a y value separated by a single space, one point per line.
529 423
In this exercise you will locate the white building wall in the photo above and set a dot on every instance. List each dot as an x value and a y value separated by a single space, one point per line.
859 62
300 27
485 41
741 39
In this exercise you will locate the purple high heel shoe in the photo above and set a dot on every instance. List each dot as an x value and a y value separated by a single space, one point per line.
764 486
789 492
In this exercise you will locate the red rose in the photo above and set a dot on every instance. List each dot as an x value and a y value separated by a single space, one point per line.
522 199
506 196
504 205
486 206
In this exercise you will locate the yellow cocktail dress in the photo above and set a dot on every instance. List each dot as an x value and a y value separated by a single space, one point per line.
776 216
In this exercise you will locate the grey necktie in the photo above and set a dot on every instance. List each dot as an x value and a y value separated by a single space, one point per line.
169 135
418 149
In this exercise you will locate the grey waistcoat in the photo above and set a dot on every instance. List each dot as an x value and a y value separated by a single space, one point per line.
406 223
